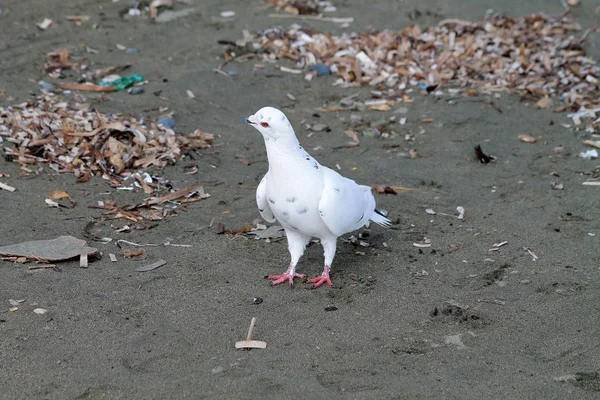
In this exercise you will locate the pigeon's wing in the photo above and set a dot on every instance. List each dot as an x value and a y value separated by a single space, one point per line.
344 205
262 202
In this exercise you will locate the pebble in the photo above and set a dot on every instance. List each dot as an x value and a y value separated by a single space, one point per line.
138 90
131 50
167 122
134 12
46 86
321 69
372 132
40 311
168 15
318 127
257 300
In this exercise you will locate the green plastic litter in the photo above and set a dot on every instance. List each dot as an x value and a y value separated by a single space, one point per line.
124 82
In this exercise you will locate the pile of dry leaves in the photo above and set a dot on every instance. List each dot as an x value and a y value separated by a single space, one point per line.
537 56
77 139
302 7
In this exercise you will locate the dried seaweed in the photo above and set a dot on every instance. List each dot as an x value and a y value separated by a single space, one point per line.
537 56
74 138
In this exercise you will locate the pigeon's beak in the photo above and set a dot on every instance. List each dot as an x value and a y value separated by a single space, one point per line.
247 121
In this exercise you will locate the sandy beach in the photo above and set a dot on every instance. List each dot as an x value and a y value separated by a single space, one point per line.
436 307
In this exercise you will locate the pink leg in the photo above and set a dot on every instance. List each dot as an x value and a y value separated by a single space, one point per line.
324 278
288 275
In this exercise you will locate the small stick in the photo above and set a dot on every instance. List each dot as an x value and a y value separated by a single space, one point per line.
249 343
336 20
6 187
42 266
251 329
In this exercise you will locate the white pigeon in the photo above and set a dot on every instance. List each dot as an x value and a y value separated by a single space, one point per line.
308 199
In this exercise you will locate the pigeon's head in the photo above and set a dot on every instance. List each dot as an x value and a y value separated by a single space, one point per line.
272 123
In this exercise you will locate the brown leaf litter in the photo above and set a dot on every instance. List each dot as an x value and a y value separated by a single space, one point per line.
537 56
142 215
297 7
76 139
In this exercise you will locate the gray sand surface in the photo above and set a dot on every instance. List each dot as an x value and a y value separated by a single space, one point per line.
453 321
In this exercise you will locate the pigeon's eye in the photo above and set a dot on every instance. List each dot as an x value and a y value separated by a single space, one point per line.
264 124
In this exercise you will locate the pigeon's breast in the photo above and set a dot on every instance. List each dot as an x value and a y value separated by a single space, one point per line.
295 202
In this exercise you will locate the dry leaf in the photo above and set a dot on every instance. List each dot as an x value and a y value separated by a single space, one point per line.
544 102
158 3
380 107
592 143
59 194
136 254
383 189
527 139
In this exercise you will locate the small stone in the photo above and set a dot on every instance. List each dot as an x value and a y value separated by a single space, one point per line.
318 127
257 300
46 86
373 132
136 90
168 15
167 122
40 311
131 50
227 14
331 308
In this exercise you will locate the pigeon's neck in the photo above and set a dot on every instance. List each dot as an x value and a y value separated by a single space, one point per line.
286 156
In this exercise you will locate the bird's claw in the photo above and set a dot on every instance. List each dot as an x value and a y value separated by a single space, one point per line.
286 276
319 280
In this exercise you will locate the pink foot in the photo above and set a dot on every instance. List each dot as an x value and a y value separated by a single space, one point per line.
286 276
319 280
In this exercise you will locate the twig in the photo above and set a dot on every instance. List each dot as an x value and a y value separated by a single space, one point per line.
251 329
42 266
218 71
347 20
133 244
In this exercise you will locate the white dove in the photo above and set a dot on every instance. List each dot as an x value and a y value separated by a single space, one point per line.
309 200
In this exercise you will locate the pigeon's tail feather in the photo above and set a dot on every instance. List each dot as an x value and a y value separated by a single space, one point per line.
380 219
